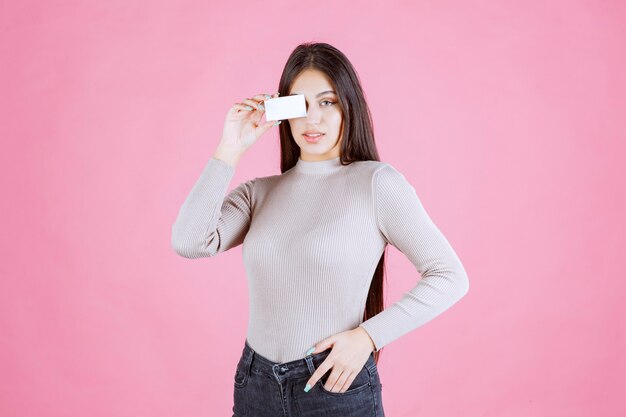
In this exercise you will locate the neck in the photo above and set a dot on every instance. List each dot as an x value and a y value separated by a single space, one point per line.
318 167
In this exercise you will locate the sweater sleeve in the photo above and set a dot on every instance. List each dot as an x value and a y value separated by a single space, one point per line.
209 221
405 224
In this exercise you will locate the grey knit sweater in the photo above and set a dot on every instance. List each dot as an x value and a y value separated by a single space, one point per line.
312 238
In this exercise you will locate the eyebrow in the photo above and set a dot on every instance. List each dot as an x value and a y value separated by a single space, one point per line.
320 94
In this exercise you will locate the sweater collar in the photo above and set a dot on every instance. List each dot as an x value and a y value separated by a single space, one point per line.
318 167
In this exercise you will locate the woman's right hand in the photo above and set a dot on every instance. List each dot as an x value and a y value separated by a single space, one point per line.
241 127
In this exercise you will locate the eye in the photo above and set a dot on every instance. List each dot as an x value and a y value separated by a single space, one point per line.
328 101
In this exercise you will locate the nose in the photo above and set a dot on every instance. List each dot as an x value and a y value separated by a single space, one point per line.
313 115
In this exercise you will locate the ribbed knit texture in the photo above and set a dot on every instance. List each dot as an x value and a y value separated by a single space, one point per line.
312 238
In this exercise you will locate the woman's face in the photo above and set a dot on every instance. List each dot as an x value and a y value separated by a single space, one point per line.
323 115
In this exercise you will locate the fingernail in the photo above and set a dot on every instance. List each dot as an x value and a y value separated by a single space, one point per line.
308 352
277 123
248 107
267 96
261 107
307 388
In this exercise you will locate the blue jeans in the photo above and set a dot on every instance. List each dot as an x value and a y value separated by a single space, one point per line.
263 388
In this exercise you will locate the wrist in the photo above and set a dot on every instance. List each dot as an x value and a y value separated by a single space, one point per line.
368 338
229 155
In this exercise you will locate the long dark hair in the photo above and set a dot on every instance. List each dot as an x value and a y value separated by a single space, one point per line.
358 135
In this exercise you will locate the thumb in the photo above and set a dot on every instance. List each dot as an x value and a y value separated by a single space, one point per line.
267 125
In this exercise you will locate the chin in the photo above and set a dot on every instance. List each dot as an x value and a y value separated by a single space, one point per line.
315 148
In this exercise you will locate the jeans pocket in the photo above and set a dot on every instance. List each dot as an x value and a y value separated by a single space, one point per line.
242 374
361 382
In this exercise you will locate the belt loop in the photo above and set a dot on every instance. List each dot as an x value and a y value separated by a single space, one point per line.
370 364
309 363
248 359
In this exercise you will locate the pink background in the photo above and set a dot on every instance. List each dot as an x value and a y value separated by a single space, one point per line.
508 118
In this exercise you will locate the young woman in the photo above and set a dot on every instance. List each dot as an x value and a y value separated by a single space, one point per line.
314 239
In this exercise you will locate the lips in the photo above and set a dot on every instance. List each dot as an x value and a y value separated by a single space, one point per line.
313 137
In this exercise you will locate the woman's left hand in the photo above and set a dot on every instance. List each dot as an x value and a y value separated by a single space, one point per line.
351 349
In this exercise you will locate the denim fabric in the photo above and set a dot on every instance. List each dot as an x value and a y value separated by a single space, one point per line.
263 388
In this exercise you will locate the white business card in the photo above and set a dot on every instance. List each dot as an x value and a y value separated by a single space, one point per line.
287 107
